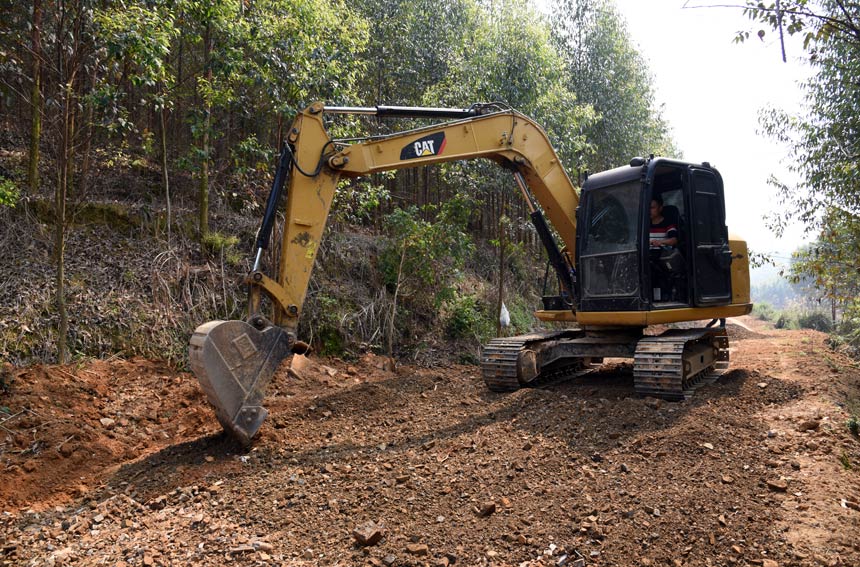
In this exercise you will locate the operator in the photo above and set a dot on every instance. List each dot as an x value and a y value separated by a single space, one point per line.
663 233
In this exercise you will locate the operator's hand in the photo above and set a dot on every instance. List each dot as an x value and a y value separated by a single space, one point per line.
656 242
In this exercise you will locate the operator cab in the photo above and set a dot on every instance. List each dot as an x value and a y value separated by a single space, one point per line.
620 269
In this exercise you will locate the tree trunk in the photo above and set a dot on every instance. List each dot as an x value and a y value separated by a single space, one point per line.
177 140
64 172
83 177
203 188
394 303
35 99
164 173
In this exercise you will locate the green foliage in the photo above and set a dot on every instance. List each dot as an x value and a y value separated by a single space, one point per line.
816 320
606 72
9 193
522 315
847 332
466 318
764 311
139 35
528 74
853 425
250 156
137 38
824 143
845 460
252 166
792 318
786 320
216 244
356 199
327 335
427 253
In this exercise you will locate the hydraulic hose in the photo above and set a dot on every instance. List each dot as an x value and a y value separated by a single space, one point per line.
278 184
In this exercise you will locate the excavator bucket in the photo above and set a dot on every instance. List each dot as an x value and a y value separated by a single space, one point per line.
234 362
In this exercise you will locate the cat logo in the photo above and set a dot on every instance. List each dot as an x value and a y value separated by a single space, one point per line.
431 145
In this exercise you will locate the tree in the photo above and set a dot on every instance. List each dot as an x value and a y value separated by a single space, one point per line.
74 62
824 143
425 255
527 74
35 98
138 40
605 71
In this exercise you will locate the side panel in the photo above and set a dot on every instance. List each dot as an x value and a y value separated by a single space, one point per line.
659 316
740 271
711 255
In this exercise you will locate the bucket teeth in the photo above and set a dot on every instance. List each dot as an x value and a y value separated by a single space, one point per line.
234 363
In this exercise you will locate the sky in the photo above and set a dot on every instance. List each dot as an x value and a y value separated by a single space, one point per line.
712 90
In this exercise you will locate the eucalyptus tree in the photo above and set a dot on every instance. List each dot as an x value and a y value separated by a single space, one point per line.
138 38
217 29
35 97
507 56
410 46
72 66
824 143
298 51
605 70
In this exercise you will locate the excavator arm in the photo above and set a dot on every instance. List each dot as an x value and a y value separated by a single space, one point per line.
234 360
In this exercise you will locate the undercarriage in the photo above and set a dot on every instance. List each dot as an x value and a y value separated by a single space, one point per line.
668 366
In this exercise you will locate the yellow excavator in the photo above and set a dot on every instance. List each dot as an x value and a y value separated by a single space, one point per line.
613 281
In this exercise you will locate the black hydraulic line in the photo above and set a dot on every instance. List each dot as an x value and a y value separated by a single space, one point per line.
559 264
405 111
280 180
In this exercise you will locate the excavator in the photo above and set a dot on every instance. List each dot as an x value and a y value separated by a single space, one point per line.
613 285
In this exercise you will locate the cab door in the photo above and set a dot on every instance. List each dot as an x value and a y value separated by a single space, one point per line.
712 258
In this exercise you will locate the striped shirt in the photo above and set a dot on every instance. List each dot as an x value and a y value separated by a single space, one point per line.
662 230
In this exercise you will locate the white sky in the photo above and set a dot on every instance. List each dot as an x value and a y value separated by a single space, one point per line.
712 90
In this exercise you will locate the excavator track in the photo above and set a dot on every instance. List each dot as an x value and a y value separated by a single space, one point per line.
672 365
500 362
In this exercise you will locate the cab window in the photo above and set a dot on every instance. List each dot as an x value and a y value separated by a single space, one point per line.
609 257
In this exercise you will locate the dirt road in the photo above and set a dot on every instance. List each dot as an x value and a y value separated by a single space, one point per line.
121 463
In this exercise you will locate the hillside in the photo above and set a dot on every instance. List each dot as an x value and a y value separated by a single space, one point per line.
121 462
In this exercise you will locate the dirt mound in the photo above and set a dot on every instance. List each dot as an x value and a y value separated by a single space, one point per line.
65 427
744 328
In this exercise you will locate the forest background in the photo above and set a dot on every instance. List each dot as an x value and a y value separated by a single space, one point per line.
139 138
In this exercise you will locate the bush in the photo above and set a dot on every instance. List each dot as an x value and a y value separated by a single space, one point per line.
817 320
764 311
522 315
785 321
848 334
854 426
465 318
328 338
9 194
215 243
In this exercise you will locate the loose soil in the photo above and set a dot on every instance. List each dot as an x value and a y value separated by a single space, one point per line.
123 463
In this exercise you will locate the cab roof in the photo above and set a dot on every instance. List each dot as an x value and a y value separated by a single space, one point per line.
639 168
